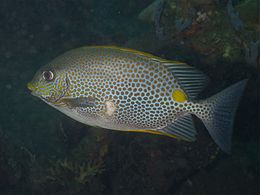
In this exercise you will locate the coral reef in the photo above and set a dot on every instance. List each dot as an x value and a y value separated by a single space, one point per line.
216 31
252 53
234 16
75 172
157 20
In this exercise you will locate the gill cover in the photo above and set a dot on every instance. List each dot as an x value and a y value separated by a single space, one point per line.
59 88
51 89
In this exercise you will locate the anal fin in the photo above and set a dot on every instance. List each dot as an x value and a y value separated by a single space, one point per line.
152 132
183 129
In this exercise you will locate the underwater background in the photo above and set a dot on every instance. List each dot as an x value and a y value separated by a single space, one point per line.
42 151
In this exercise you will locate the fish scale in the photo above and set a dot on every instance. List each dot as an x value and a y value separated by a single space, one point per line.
133 82
124 89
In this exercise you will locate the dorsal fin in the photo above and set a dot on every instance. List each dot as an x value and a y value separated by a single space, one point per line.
183 128
128 50
191 80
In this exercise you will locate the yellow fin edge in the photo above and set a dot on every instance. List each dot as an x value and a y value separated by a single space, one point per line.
136 52
153 132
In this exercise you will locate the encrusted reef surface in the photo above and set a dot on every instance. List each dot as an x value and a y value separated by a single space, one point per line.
44 152
214 30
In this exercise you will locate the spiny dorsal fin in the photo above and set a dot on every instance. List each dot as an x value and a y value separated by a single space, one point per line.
183 128
191 80
128 50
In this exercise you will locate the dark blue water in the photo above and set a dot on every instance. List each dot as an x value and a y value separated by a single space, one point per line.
44 152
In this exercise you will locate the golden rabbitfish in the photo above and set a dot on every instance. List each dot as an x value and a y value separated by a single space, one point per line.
128 90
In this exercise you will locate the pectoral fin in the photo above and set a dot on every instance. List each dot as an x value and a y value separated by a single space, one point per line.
79 102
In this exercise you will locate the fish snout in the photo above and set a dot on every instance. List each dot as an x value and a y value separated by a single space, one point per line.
32 88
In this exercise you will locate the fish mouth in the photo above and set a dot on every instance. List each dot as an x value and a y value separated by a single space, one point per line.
52 99
32 88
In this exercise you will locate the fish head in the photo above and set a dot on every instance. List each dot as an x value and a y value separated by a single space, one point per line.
50 84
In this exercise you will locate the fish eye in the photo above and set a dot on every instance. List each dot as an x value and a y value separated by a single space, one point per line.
48 75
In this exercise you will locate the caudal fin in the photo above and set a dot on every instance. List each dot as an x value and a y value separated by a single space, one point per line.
220 124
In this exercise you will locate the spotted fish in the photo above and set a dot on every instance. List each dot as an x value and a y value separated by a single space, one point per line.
127 90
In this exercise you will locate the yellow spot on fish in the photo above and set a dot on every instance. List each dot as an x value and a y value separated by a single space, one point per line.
179 96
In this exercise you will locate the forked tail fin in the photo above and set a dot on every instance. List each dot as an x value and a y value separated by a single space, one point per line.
220 123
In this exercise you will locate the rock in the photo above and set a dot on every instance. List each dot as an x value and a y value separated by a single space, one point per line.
148 14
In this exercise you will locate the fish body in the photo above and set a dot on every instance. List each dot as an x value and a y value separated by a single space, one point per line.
128 90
